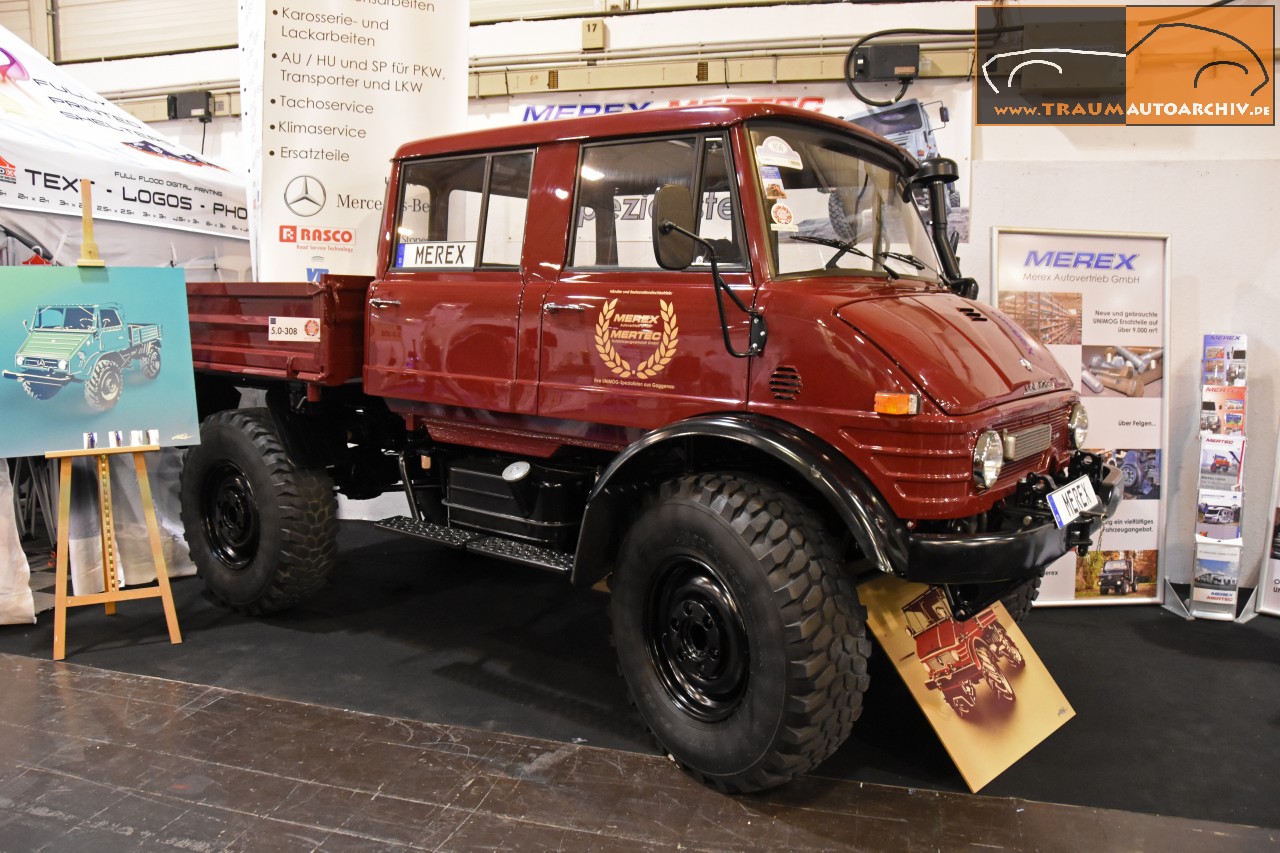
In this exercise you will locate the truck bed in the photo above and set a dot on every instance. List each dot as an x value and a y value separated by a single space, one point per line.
230 323
143 333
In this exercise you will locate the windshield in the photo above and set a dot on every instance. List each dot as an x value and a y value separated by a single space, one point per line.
59 317
830 209
1113 566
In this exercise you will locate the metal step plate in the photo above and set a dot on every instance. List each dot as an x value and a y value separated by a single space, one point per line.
523 552
426 530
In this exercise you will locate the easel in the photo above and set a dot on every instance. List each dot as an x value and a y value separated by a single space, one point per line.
112 592
110 566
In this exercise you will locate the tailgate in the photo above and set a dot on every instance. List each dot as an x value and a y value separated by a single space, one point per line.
230 324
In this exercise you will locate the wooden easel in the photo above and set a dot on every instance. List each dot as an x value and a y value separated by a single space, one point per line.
106 518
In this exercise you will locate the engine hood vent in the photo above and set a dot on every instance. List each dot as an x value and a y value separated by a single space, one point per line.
785 383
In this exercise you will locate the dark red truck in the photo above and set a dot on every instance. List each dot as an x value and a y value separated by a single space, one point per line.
711 354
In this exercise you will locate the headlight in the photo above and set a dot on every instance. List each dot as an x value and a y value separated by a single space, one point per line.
62 364
988 459
1078 426
20 360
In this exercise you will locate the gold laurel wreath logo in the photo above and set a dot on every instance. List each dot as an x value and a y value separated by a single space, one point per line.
651 366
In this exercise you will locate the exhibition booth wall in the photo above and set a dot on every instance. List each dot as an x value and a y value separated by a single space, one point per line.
1204 188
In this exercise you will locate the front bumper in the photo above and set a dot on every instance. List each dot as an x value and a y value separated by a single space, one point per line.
44 377
1022 553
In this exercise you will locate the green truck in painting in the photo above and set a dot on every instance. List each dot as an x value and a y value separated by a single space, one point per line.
84 343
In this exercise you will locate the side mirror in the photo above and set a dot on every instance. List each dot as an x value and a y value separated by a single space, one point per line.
940 170
26 324
673 210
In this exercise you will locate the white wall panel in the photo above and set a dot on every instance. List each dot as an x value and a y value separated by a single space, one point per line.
93 29
26 20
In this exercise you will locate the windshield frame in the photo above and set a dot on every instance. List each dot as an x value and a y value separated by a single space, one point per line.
897 196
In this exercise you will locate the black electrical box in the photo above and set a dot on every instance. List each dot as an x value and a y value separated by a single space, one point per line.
887 62
191 105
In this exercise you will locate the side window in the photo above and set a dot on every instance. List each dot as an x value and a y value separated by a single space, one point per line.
616 183
443 206
508 203
110 318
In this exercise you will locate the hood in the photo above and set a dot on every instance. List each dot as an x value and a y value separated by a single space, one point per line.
965 355
53 344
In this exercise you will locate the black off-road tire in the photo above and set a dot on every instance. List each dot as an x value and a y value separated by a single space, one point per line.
40 390
738 631
102 389
151 360
1018 602
261 531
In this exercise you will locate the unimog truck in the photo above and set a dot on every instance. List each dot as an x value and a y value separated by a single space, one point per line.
712 356
87 344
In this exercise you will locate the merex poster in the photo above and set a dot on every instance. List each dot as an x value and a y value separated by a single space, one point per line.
1098 302
94 358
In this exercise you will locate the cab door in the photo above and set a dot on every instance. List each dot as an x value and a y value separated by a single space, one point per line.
625 342
443 322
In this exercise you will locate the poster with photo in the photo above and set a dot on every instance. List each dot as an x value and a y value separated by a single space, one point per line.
982 687
1099 302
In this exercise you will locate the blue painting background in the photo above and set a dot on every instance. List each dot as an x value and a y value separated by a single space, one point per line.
145 295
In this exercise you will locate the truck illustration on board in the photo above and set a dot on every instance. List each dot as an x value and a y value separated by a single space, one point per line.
88 344
960 655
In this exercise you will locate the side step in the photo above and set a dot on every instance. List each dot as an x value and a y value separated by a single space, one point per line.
481 543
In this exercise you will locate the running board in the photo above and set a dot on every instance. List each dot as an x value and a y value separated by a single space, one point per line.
481 543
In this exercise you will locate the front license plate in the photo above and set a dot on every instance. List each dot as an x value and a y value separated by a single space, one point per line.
1072 499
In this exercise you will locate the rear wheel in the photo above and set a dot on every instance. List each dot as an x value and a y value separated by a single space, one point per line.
262 531
102 390
1018 602
151 361
40 390
991 672
741 640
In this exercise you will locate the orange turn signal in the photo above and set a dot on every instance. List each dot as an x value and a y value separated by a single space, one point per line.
897 403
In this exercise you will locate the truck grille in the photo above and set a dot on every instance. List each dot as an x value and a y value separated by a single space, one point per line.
1019 444
49 363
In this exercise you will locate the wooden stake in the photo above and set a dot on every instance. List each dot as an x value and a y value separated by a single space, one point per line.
89 256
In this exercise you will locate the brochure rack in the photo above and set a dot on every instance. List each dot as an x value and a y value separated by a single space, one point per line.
1215 575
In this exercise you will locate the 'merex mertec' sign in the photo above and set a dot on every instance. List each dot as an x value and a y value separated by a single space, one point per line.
1081 260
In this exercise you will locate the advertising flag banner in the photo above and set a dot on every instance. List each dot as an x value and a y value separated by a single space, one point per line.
333 88
155 203
1099 302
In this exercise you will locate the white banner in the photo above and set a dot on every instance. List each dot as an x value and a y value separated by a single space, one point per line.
1268 600
55 133
343 83
1099 301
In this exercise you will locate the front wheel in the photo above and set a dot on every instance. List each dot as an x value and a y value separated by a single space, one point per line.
1018 602
102 389
262 531
741 639
991 672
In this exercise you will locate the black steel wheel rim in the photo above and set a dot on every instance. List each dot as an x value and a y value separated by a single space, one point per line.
231 521
697 640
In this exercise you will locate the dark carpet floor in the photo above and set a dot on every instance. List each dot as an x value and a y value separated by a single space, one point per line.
1173 717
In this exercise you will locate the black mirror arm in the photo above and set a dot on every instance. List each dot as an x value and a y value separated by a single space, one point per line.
756 328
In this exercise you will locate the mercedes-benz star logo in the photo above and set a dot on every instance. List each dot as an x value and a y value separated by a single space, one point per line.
304 196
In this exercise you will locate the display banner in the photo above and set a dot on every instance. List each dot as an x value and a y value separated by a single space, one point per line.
333 88
54 134
934 122
1099 302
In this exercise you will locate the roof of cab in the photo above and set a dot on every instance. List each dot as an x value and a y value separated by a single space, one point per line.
636 123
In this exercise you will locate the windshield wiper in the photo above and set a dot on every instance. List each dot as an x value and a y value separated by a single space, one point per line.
848 248
910 259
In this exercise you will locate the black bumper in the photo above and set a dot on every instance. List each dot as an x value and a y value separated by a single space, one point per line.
1010 555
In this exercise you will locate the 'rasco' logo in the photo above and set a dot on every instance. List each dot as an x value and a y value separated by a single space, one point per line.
637 328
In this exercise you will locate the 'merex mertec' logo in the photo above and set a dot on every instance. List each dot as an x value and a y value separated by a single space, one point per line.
1085 260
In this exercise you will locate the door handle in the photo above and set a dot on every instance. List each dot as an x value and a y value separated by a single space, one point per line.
553 307
379 302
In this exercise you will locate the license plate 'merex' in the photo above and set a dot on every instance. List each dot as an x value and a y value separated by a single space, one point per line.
1072 499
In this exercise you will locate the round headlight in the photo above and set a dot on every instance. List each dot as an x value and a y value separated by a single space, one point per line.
20 360
988 459
1078 426
62 364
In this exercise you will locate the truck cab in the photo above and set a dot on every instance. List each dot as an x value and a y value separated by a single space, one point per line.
712 356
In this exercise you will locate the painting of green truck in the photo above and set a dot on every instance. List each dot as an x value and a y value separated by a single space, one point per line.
86 344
